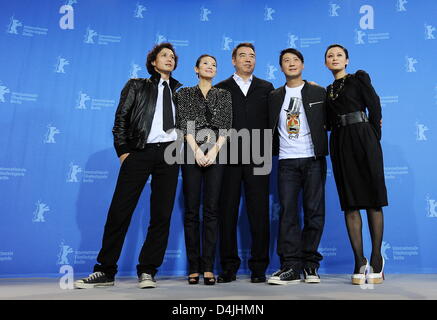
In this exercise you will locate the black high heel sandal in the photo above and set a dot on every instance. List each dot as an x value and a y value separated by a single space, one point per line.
193 280
209 281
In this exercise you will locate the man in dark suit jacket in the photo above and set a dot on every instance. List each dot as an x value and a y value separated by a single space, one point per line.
250 111
297 116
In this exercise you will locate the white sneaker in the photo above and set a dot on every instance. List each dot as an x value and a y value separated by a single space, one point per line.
146 281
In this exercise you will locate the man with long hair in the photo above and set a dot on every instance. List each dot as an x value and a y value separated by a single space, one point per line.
144 126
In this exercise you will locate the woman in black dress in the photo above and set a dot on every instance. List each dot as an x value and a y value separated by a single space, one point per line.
202 111
357 160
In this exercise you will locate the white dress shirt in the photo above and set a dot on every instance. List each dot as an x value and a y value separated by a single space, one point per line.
244 85
157 134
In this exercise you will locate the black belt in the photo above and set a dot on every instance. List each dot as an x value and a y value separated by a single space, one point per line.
158 144
351 118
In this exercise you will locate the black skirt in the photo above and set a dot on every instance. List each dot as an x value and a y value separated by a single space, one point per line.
357 163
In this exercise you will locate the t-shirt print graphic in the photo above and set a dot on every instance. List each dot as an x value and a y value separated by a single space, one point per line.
292 124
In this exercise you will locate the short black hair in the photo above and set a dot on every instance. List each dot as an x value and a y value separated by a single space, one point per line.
200 59
151 56
335 45
203 56
242 44
292 51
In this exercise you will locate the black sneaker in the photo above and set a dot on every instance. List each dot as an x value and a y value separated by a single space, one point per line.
311 275
95 279
146 281
284 276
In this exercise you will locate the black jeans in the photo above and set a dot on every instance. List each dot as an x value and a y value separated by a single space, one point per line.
196 180
297 247
134 172
256 188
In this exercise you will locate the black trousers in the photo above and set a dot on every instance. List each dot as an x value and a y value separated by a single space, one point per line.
297 247
198 180
256 189
134 172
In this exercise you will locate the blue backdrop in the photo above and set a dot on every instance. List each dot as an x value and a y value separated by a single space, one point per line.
63 64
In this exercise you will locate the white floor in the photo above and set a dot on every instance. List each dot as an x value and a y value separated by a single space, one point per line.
332 287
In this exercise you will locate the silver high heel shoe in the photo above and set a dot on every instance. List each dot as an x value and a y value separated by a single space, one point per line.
360 278
376 278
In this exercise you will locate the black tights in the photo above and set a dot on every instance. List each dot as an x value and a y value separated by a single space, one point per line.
375 220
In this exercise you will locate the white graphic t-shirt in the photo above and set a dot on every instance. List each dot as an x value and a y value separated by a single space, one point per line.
294 133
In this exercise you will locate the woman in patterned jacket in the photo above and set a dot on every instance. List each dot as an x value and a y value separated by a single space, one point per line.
204 114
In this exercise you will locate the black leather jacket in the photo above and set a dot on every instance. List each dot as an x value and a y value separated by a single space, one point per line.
135 111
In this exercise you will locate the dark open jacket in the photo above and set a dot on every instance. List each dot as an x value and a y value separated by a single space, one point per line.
314 102
250 111
135 111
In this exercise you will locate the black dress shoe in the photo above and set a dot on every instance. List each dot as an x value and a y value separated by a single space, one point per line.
227 276
258 279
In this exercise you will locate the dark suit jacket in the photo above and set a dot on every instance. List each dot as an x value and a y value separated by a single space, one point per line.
314 102
250 111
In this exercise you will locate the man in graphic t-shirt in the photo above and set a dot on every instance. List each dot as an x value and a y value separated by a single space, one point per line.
297 116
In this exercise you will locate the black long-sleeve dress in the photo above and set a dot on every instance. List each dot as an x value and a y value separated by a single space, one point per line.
355 149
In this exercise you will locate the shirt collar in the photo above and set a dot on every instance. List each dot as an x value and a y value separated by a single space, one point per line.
240 79
162 80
